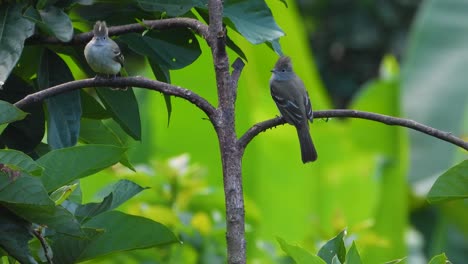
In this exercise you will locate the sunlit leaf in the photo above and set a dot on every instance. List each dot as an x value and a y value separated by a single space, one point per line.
451 185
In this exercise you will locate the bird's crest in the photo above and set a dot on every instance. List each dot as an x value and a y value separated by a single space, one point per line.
100 29
284 63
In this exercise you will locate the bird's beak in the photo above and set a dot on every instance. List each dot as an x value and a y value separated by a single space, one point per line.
272 70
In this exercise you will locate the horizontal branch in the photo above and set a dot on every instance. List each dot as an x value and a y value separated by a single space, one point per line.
82 38
389 120
139 82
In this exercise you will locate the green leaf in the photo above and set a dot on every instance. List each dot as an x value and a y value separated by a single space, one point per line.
20 160
68 249
10 113
171 7
119 193
300 255
15 233
124 108
91 107
122 232
162 74
353 255
27 197
64 110
25 134
60 220
253 19
171 49
334 247
53 21
451 185
24 190
436 57
63 166
96 132
439 259
14 29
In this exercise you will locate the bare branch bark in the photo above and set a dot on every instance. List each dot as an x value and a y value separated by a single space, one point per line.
389 120
141 82
231 155
182 22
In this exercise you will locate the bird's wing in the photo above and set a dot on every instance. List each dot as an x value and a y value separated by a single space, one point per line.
118 56
285 98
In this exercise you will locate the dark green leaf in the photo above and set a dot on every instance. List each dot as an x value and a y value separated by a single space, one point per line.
171 49
163 75
53 21
92 108
64 110
232 45
68 249
170 7
451 185
439 259
124 108
24 190
353 255
10 113
88 159
298 254
25 134
60 219
15 234
125 232
43 3
119 193
19 159
14 29
253 19
334 247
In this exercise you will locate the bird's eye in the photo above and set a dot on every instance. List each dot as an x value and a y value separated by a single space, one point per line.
283 70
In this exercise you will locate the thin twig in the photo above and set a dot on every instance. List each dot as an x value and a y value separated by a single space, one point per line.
140 82
82 38
389 120
44 245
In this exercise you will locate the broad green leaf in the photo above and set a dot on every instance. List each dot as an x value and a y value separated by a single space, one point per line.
162 74
334 247
353 255
24 190
439 259
96 132
119 193
171 49
300 255
253 19
53 21
15 233
68 249
10 113
64 110
121 232
24 134
91 107
172 8
451 185
434 82
60 220
14 29
124 108
63 166
20 160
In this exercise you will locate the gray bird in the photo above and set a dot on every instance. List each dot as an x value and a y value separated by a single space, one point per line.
102 53
291 98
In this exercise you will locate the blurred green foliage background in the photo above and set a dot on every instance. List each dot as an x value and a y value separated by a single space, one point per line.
370 179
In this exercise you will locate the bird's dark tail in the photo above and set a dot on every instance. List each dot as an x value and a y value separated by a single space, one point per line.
308 151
